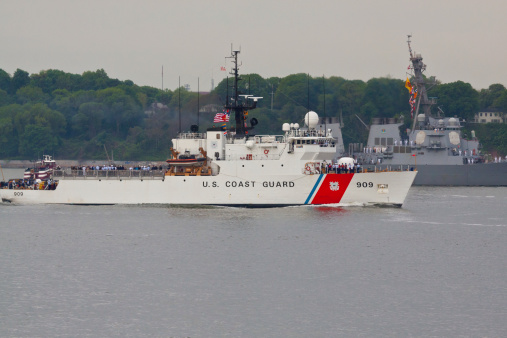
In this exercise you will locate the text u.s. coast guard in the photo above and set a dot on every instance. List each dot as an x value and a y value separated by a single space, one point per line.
250 184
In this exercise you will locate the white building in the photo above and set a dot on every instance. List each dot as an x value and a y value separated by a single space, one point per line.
490 117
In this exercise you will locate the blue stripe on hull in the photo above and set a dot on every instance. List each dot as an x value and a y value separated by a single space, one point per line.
314 188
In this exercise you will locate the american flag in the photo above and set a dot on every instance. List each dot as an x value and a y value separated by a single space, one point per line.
221 117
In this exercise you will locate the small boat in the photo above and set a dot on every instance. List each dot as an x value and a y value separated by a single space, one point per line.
42 170
185 160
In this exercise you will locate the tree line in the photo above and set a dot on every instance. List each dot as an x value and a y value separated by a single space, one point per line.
76 116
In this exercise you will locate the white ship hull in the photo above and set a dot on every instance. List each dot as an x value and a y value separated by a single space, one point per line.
381 188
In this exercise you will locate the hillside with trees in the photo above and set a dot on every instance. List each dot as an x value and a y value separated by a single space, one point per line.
75 116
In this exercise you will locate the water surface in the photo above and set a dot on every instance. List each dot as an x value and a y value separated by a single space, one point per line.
435 267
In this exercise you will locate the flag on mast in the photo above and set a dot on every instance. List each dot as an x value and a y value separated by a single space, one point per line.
408 85
221 117
413 95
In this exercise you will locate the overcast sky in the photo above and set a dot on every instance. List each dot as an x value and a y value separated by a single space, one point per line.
131 40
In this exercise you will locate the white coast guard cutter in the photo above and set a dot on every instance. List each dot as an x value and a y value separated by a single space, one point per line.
233 167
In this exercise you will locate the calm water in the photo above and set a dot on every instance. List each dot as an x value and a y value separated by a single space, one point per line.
435 268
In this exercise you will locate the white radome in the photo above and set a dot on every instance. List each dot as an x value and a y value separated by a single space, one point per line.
311 119
346 161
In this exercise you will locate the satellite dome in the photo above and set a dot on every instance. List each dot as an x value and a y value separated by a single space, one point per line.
440 123
296 125
421 117
311 119
285 127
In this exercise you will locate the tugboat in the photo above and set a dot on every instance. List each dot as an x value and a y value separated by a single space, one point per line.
236 167
42 169
434 145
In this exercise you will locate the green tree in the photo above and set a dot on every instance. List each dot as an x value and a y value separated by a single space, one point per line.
294 89
164 97
97 80
5 98
19 79
384 98
30 94
51 80
457 98
488 96
5 81
90 116
41 114
500 102
36 140
350 95
62 102
8 139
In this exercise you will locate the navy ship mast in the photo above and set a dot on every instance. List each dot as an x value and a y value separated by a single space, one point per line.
424 103
234 105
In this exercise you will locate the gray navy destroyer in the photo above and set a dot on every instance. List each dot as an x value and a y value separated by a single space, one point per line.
434 146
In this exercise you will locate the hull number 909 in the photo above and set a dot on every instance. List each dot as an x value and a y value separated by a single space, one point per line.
18 193
365 184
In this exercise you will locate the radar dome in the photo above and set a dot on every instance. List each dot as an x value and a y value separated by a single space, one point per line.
346 161
311 119
285 127
453 122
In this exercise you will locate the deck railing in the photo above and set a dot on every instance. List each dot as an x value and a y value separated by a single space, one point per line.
109 174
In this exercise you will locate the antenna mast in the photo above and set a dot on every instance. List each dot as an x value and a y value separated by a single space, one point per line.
325 117
308 89
179 102
234 105
198 103
419 67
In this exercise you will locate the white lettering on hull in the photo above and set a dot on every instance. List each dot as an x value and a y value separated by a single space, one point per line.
250 184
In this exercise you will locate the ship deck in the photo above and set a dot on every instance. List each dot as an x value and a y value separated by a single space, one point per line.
109 174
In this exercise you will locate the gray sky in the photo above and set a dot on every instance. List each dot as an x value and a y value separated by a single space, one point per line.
131 40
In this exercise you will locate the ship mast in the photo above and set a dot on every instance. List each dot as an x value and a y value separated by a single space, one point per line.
423 102
234 104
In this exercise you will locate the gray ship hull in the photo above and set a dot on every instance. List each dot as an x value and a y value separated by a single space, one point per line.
486 174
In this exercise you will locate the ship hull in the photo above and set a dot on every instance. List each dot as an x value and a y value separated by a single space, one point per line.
483 174
386 188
